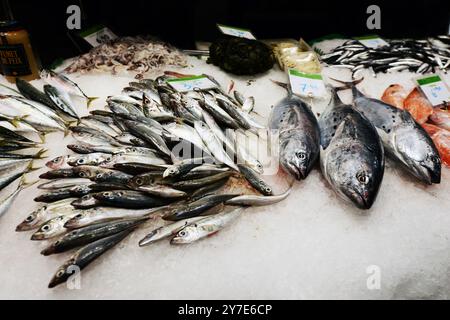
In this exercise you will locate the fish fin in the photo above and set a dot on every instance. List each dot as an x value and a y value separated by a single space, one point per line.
40 154
89 101
15 121
283 85
42 137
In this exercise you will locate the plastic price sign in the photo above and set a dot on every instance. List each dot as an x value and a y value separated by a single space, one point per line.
191 83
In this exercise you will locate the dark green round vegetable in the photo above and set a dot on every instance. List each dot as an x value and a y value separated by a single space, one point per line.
241 56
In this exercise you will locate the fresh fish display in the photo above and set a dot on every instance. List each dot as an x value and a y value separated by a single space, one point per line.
62 100
299 135
352 156
403 138
420 56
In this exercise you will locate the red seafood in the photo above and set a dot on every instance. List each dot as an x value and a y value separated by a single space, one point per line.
394 95
441 118
418 106
441 139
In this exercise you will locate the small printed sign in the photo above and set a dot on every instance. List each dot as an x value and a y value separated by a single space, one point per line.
307 84
373 41
434 89
236 32
97 35
191 83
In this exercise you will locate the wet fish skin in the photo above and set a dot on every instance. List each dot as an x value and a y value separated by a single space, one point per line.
86 235
205 227
44 213
134 168
85 202
52 228
162 191
129 199
201 182
61 100
254 179
197 207
299 135
85 256
166 231
106 214
63 193
403 138
352 156
254 200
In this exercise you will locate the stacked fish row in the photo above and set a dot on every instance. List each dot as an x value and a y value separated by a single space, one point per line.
352 140
155 153
30 113
420 56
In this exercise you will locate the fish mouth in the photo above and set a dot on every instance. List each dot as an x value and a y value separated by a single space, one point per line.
37 237
362 200
427 174
299 173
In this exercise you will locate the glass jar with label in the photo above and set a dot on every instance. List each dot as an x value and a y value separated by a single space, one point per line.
16 54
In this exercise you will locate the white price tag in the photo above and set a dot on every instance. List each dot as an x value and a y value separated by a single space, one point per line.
306 84
434 89
236 32
191 83
372 41
97 35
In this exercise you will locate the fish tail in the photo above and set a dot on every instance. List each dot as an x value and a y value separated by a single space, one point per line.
42 137
40 154
30 167
24 184
347 84
89 100
15 121
283 85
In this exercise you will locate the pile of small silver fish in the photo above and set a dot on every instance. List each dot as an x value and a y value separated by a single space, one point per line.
128 168
420 56
27 115
136 54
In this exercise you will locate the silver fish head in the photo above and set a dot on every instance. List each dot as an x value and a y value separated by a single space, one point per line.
47 230
186 235
63 273
296 158
419 154
357 177
32 220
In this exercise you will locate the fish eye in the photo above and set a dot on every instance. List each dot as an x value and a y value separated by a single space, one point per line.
46 227
86 197
107 194
182 233
56 160
362 177
60 273
56 243
30 218
82 174
80 161
99 176
301 155
139 181
268 189
78 216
